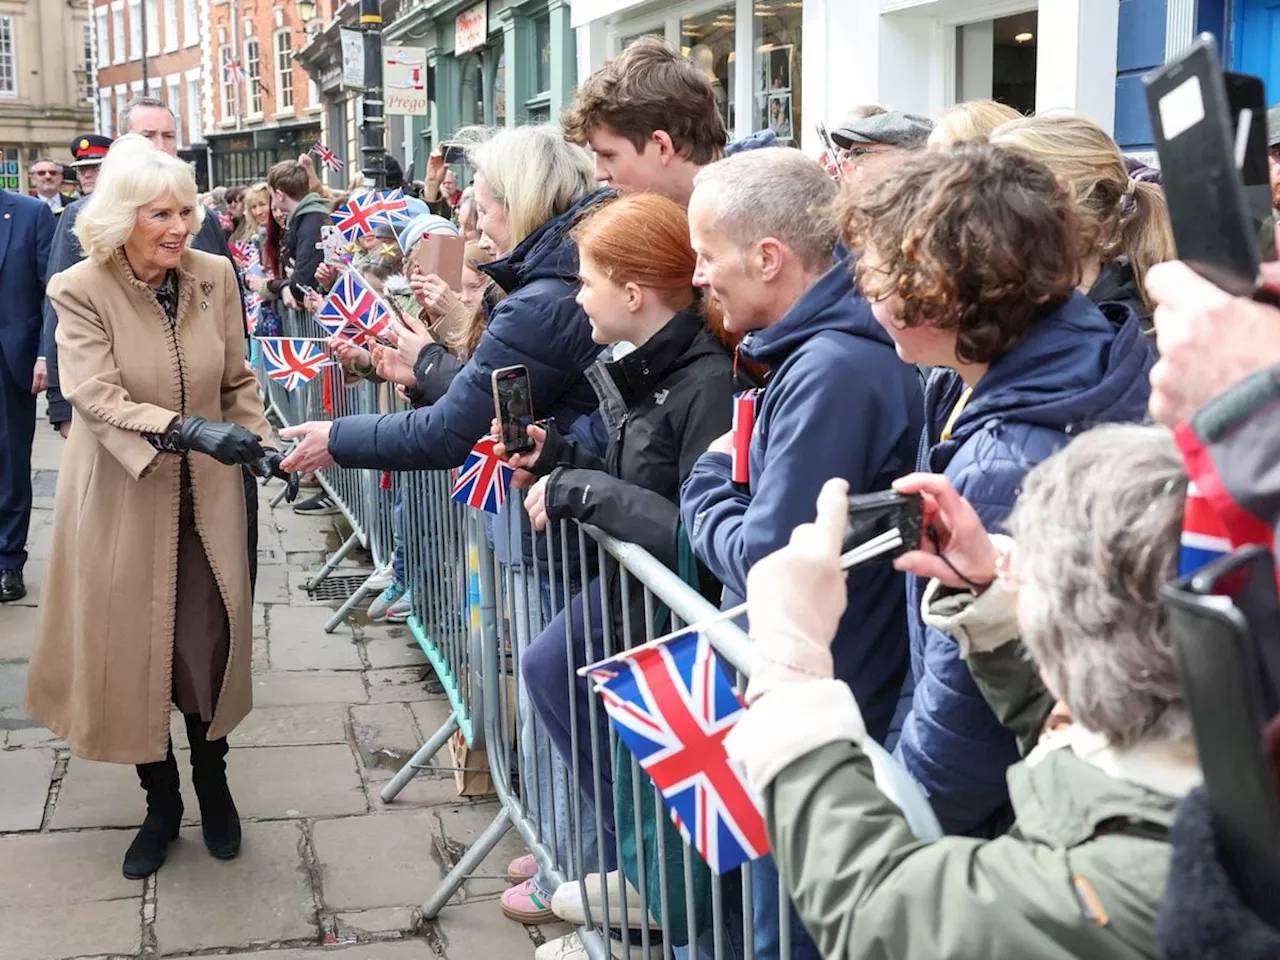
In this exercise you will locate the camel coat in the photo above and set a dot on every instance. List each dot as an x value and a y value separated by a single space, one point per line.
101 672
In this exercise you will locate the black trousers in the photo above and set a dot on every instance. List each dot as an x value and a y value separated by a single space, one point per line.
251 517
17 431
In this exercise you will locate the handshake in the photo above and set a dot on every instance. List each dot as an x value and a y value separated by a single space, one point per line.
231 444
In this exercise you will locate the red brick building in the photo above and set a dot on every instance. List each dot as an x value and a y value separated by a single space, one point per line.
274 112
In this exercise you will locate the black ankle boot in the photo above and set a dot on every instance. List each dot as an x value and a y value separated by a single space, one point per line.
164 818
219 820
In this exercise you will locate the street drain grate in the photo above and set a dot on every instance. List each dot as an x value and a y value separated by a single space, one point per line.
336 588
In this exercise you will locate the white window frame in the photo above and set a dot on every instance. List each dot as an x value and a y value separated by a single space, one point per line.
102 51
122 99
135 29
252 67
190 23
170 25
173 97
313 94
10 22
195 132
155 88
106 122
284 70
118 49
90 67
225 86
153 27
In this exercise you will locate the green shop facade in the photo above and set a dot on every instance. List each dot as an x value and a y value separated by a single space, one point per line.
492 63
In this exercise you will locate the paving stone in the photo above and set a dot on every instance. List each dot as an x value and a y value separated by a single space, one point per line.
422 791
474 930
17 631
273 783
105 927
13 688
377 861
101 795
58 870
35 737
399 684
298 641
292 726
290 689
431 715
392 646
261 897
385 738
24 786
461 826
273 583
386 920
396 950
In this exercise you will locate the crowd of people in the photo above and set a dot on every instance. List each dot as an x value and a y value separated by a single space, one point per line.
983 309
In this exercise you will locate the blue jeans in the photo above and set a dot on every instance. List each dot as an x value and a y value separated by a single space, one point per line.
397 537
768 940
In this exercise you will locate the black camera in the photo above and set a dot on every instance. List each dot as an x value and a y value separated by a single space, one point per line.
874 514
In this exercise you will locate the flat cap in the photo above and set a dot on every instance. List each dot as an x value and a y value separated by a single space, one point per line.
893 128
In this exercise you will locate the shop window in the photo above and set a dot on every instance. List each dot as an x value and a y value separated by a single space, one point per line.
707 40
658 32
542 54
775 83
500 91
996 60
471 91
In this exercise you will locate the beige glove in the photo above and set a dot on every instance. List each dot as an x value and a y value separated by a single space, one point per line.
796 597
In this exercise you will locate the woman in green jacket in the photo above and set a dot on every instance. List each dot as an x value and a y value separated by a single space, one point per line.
1083 869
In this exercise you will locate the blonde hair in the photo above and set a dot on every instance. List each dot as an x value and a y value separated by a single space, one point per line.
248 228
1119 215
463 341
534 173
970 121
133 175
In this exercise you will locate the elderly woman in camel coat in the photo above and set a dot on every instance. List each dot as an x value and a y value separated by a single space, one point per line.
147 600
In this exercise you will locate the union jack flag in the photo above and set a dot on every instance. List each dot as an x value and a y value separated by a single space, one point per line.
352 310
253 311
293 362
358 216
392 205
235 72
673 706
1204 536
327 157
483 479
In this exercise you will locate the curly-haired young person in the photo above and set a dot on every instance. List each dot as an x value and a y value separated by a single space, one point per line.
972 265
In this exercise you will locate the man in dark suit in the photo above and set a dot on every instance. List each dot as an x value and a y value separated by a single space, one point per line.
26 231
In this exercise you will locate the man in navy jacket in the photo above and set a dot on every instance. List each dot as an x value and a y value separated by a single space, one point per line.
26 230
838 403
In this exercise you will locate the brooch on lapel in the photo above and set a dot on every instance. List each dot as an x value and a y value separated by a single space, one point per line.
206 286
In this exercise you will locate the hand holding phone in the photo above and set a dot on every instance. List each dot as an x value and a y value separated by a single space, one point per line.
513 405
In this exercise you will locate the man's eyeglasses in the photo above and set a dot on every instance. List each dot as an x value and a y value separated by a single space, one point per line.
855 154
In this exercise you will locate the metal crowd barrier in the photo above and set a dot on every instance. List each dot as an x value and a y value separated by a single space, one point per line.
477 619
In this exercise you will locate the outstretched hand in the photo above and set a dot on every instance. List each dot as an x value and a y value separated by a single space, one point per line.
523 462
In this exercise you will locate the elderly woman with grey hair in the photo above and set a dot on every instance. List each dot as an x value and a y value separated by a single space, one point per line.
1073 617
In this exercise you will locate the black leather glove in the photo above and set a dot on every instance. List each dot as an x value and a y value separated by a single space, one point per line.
269 466
227 443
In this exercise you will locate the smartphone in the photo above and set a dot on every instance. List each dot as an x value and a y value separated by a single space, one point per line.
442 255
871 514
1219 670
1196 134
1247 101
454 153
513 403
829 145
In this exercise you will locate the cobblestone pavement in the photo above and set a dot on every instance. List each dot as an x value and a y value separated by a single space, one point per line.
326 870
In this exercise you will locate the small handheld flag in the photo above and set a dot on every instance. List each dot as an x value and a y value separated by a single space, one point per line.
673 706
745 406
293 362
358 216
1204 536
353 311
483 479
392 206
327 157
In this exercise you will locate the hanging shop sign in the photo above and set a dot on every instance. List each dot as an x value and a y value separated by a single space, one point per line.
471 29
404 80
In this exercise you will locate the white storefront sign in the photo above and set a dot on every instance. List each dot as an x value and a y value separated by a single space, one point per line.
404 80
352 58
471 29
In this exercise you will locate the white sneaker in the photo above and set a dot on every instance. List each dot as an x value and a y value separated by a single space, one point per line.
380 580
566 903
571 948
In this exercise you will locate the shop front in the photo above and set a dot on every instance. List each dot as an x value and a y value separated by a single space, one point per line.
245 157
490 64
719 36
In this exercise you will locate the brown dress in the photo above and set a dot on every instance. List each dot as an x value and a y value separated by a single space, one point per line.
201 630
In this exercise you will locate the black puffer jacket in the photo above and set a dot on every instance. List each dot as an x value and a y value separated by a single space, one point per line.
663 404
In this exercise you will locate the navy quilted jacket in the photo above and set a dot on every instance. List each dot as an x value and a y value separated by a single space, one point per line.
1080 366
